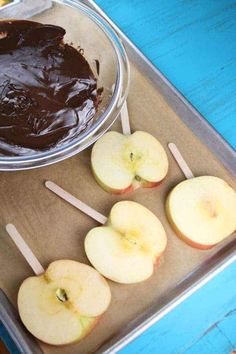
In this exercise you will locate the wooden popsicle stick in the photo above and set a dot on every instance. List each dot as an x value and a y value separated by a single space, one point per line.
24 249
125 122
124 114
76 202
180 161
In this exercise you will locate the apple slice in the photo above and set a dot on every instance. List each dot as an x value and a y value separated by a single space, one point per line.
123 163
64 304
202 211
126 249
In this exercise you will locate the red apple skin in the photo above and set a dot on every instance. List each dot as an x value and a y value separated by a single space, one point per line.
135 185
192 243
157 261
180 234
147 184
129 189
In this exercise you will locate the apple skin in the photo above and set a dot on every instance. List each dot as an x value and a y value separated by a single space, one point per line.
157 261
180 234
147 184
135 185
195 244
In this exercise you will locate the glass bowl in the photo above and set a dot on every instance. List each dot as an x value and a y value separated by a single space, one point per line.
89 31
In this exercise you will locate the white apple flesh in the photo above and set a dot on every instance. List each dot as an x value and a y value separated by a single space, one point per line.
64 304
202 211
123 163
128 247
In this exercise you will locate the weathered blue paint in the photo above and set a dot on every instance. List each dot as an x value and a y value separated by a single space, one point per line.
193 42
209 311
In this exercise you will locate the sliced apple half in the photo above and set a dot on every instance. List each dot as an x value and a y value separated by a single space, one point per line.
64 304
127 248
202 211
123 163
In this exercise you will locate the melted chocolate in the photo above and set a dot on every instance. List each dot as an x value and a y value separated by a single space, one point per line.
48 92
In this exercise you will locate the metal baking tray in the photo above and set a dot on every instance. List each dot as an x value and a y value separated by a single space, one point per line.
206 269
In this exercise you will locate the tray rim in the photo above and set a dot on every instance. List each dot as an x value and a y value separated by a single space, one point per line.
216 264
9 316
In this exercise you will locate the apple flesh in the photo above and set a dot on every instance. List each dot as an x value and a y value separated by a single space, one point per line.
122 163
202 210
64 304
126 249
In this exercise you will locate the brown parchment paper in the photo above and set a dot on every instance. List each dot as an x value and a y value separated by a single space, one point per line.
55 230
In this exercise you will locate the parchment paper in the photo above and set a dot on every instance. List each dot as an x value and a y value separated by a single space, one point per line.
55 230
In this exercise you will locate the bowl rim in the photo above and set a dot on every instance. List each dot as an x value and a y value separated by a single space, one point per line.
58 153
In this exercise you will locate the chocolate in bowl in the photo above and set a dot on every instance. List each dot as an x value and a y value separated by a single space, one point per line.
48 92
96 36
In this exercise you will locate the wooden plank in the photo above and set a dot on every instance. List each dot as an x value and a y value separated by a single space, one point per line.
213 342
228 326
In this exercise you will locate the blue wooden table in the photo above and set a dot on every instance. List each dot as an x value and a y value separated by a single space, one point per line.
193 42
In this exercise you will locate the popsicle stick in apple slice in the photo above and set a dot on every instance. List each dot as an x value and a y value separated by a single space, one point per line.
24 249
124 162
180 161
76 202
62 304
125 122
129 243
201 209
124 115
